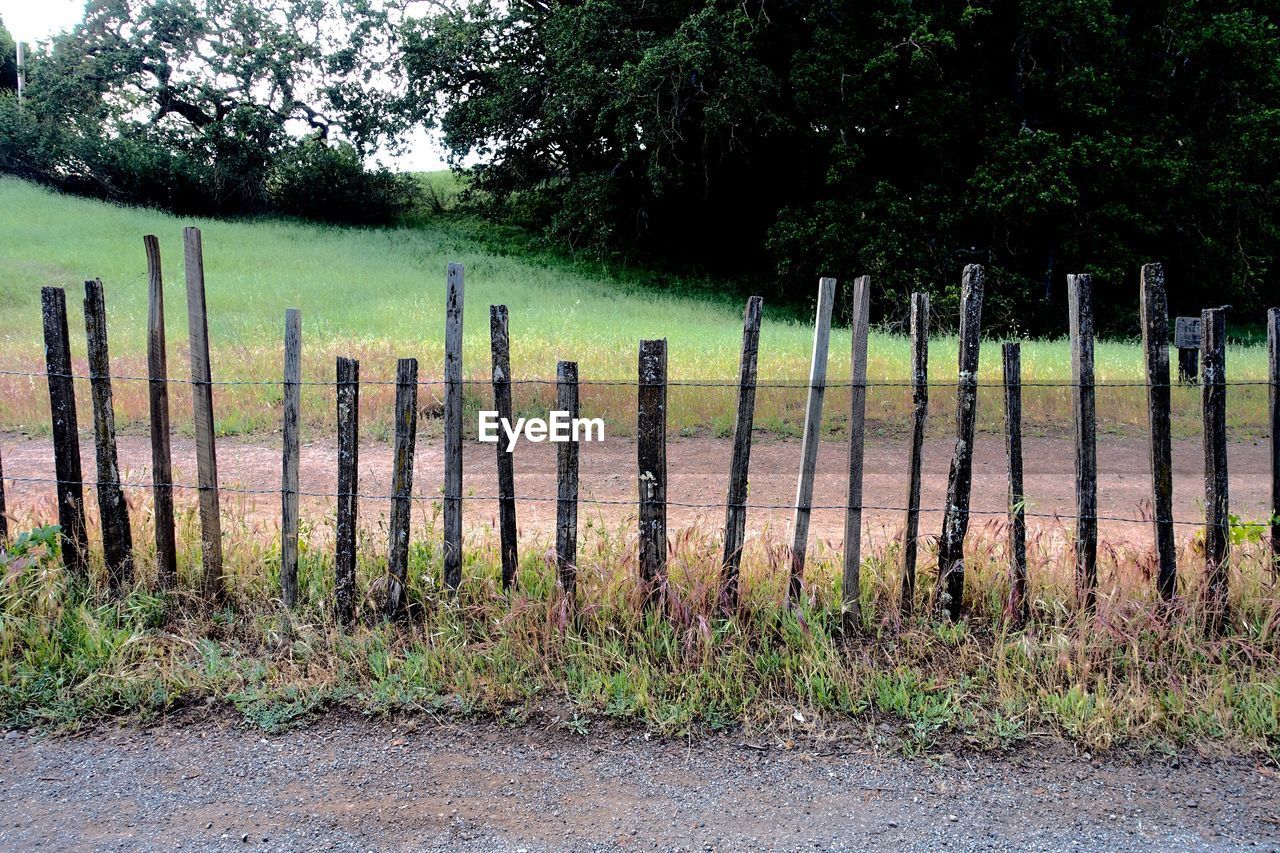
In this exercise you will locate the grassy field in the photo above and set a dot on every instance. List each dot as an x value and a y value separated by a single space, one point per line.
378 294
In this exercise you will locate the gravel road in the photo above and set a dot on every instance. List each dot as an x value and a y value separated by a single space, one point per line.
347 783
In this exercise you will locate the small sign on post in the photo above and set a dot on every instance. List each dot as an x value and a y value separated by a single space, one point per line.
1186 337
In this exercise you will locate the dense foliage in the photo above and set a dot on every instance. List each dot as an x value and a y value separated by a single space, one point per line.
213 106
896 138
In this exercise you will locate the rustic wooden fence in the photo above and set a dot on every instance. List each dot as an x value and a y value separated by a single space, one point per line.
651 458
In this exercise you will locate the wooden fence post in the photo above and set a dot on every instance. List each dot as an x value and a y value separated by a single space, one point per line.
1273 373
453 428
651 454
851 586
344 583
812 430
4 512
1016 610
402 485
567 484
500 344
919 418
66 433
1155 344
158 398
202 407
289 461
1217 526
117 539
735 516
1080 301
955 520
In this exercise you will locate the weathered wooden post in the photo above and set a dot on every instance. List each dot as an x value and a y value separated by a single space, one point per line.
1155 344
500 343
1080 301
344 582
1016 609
1186 337
402 485
4 512
1217 526
651 456
812 430
567 484
735 516
117 538
66 433
919 418
289 462
158 398
1273 389
851 583
453 427
202 410
955 520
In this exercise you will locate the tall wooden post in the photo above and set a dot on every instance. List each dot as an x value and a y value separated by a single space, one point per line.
66 432
1273 393
4 511
812 430
1080 301
402 485
955 520
651 456
1155 345
117 539
453 427
344 585
289 460
1217 523
567 484
1016 609
735 516
851 586
919 419
500 343
202 406
158 388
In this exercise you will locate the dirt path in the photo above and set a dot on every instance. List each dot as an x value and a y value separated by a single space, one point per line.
351 784
698 474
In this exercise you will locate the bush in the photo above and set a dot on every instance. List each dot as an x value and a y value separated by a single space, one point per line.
329 183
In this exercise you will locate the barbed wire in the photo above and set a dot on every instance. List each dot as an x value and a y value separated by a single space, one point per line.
798 384
422 498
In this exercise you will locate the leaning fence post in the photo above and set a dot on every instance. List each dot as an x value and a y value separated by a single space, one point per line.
66 434
735 516
453 427
651 454
344 583
1017 607
1080 301
919 417
955 521
500 344
117 539
402 485
158 398
1155 345
289 461
812 428
4 513
1217 526
1273 388
851 605
567 484
202 406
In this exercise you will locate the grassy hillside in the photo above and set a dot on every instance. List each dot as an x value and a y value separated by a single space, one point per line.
378 294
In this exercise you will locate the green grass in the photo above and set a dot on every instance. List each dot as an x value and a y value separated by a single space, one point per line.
378 294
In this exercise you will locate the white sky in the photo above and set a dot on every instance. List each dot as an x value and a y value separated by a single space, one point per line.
36 20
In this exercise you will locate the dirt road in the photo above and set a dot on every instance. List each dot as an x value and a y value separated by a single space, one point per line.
698 474
352 784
